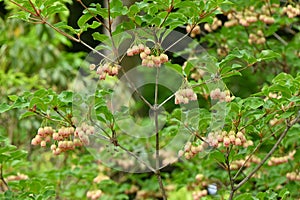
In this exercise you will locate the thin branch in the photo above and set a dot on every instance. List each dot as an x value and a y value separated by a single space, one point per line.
85 7
169 11
289 125
139 159
280 39
157 161
23 8
2 178
231 180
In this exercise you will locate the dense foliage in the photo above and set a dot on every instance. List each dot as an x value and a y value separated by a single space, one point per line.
181 99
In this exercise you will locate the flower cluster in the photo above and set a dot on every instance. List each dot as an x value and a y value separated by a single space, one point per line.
107 69
293 176
221 96
257 38
237 164
197 195
94 194
63 139
17 177
185 95
191 150
136 49
215 139
199 186
152 60
291 11
148 60
249 16
193 32
223 50
280 160
214 26
43 136
100 177
83 132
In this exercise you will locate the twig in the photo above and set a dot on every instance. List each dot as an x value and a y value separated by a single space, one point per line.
155 109
2 178
289 125
169 11
85 7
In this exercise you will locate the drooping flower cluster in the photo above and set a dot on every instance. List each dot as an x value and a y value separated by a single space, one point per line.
94 194
43 136
257 38
217 138
83 132
137 49
280 160
197 195
292 11
185 95
193 32
63 139
190 150
148 60
109 69
199 187
293 176
237 164
152 60
221 96
223 50
214 26
248 16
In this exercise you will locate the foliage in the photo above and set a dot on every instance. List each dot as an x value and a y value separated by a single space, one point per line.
234 120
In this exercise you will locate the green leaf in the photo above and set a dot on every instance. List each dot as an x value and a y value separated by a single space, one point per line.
26 114
82 21
100 37
13 97
231 73
217 155
66 96
253 102
176 67
267 54
4 107
245 196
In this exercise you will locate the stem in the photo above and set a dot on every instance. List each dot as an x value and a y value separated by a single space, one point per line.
2 178
283 134
169 11
155 109
229 170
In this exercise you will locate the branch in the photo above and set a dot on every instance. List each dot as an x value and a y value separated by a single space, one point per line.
2 178
85 7
289 125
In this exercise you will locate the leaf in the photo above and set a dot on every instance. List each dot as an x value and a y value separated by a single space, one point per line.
267 54
4 107
253 102
217 156
231 73
58 8
63 25
26 114
66 96
188 68
99 37
175 67
82 21
245 196
13 97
